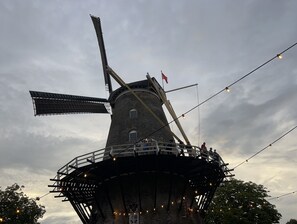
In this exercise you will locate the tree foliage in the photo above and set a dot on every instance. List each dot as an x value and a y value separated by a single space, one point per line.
17 208
292 221
241 202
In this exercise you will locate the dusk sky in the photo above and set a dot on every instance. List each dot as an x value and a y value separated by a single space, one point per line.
51 46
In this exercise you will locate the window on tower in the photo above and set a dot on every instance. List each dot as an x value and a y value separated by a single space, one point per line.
133 136
133 113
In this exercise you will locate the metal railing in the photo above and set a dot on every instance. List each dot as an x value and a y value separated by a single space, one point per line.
139 149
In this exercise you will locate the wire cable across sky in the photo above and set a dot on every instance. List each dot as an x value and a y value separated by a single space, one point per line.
266 147
227 88
283 195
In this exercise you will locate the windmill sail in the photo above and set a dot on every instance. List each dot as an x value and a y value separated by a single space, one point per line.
53 103
97 25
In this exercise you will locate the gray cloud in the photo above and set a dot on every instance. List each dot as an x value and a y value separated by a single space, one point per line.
52 47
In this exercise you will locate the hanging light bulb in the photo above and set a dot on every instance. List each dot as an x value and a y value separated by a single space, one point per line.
280 56
227 89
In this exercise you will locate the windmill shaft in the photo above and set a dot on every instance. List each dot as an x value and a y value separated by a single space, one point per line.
169 107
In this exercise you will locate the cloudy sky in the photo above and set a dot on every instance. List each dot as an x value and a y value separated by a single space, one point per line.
51 46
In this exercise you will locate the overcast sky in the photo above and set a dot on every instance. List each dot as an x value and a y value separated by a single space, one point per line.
52 46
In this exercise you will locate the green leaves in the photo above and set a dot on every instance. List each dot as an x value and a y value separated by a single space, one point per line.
241 202
17 208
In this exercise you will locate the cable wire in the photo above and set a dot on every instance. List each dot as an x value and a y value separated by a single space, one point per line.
279 55
38 198
283 195
198 115
245 161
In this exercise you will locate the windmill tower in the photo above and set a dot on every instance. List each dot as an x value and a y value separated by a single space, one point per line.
145 174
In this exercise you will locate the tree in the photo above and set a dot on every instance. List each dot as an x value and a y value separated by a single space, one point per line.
292 221
241 202
17 208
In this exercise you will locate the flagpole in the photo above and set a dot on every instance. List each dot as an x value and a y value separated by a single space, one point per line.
162 80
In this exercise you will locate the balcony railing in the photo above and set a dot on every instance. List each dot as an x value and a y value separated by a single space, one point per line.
139 149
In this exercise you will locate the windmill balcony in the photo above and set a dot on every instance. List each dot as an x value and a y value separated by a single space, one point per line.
153 176
140 149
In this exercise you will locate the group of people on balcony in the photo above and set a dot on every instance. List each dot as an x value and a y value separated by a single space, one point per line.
209 155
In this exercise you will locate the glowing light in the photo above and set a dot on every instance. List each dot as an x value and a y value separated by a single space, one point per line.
114 159
85 175
162 206
280 56
1 219
17 211
227 89
172 202
147 211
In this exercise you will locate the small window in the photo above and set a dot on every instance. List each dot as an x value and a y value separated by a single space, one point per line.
133 113
133 136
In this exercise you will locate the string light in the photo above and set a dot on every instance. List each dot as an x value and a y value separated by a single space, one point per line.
283 195
280 56
144 212
216 94
227 89
266 147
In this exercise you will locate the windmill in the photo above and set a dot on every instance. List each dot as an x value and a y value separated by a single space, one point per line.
146 173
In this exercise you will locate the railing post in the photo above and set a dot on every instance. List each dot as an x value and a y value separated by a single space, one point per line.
158 148
176 148
93 157
134 150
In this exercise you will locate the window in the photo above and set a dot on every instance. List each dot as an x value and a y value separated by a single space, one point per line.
133 136
133 113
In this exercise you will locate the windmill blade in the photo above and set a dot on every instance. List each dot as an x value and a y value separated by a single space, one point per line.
97 25
53 103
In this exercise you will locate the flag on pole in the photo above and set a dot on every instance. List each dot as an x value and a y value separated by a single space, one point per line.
164 77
